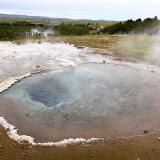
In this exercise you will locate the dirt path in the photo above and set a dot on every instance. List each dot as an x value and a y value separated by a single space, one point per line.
146 148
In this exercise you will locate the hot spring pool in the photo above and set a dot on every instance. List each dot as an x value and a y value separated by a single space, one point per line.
88 100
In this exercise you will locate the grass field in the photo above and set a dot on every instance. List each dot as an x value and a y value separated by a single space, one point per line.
134 46
124 47
56 21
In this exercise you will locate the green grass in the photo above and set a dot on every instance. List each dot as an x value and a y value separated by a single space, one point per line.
34 21
137 46
92 41
57 21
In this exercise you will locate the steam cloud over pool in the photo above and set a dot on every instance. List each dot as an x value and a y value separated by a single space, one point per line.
73 99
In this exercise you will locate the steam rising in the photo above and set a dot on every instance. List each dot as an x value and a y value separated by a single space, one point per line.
42 32
25 58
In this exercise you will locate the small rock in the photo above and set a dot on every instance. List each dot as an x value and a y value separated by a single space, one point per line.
80 47
145 131
91 155
38 66
153 150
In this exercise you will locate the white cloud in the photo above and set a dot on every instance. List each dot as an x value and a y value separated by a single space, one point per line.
95 9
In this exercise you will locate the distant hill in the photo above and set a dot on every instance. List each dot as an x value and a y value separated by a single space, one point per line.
17 16
49 20
10 16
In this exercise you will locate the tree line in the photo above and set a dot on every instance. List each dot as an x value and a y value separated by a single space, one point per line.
23 29
72 29
147 26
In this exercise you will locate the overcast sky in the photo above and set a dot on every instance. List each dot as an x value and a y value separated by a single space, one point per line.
84 9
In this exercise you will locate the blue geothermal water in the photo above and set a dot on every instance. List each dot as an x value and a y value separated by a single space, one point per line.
89 100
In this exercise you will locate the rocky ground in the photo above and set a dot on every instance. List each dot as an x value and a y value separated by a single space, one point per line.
142 148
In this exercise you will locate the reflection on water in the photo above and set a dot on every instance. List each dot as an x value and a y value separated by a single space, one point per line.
91 100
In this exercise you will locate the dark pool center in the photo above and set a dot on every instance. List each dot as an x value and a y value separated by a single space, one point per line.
88 100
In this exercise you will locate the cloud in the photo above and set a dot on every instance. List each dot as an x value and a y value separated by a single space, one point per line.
94 9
